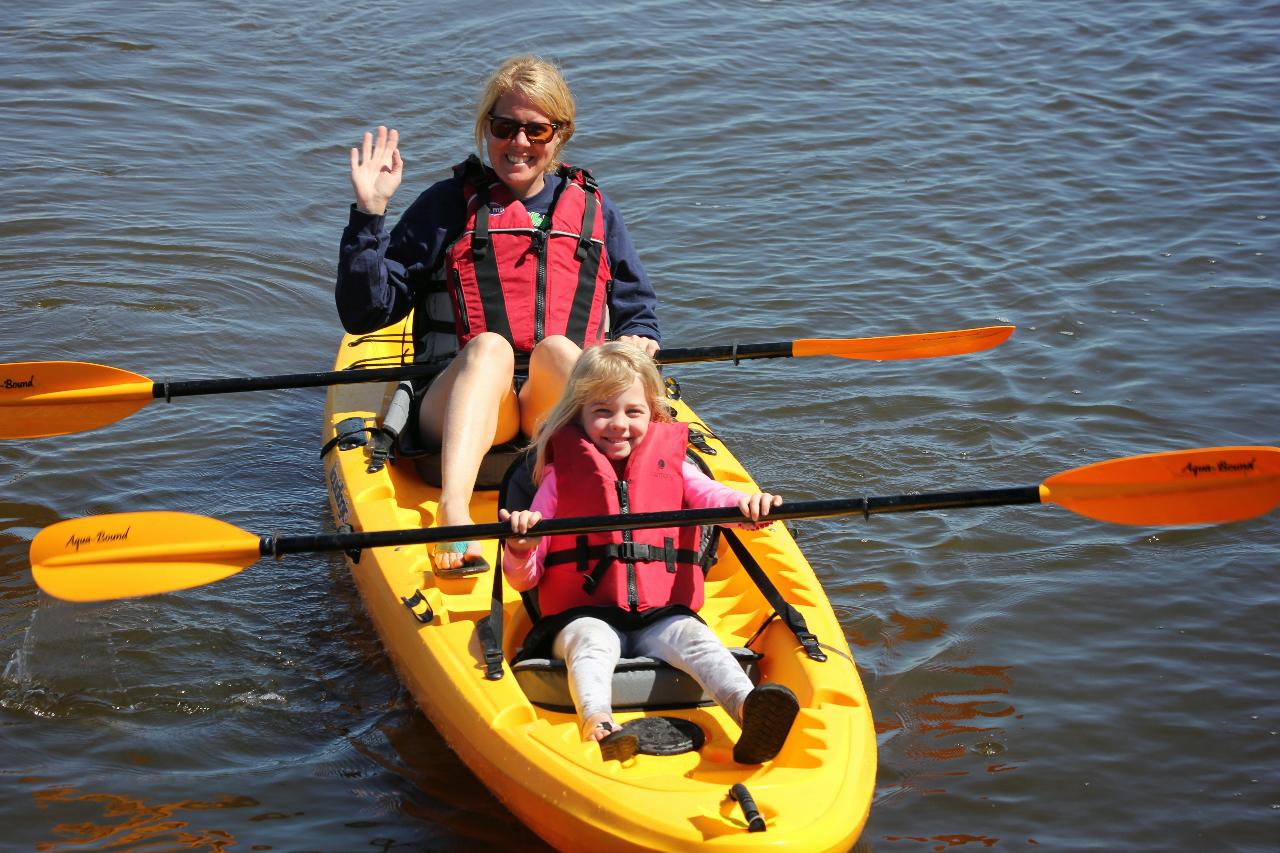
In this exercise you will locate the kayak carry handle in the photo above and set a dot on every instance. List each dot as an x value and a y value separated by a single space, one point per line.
755 821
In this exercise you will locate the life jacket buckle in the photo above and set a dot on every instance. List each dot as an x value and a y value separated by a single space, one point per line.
632 552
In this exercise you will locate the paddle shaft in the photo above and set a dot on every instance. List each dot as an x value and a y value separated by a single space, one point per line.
732 352
194 387
276 546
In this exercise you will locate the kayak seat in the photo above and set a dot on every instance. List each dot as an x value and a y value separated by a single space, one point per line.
426 458
399 423
638 683
492 467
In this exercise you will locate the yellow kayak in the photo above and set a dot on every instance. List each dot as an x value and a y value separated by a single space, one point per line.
814 795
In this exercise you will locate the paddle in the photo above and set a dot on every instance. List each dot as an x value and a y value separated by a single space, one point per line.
128 554
45 398
887 348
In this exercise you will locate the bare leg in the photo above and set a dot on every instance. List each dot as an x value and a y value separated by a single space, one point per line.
549 366
468 408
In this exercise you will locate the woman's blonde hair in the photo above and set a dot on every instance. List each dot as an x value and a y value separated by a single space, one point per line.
601 372
541 82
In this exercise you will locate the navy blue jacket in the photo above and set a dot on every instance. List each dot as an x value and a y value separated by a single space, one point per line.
379 274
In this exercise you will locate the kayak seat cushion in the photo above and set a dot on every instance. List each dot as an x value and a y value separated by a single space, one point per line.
426 456
426 459
638 683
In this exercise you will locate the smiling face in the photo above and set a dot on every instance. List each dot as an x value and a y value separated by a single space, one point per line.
519 163
617 425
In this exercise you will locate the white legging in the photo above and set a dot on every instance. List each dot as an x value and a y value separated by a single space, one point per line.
591 648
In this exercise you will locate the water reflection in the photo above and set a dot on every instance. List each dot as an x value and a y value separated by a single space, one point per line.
945 842
128 823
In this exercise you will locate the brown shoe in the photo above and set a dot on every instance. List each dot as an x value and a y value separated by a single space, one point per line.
619 746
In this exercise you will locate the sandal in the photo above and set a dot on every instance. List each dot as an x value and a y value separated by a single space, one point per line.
767 715
474 566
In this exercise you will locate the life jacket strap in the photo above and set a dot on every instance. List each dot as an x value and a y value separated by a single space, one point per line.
625 552
588 226
480 237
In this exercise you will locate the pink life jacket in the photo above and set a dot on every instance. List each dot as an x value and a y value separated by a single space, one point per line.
635 570
521 281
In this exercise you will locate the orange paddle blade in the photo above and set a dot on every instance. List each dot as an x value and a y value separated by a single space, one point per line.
1208 485
128 554
896 347
43 398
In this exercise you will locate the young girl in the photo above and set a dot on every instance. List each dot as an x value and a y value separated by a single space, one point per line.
610 446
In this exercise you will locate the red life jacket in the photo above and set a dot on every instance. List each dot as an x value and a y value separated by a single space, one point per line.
632 569
508 276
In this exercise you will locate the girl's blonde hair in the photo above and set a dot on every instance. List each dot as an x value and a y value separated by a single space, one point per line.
601 372
541 82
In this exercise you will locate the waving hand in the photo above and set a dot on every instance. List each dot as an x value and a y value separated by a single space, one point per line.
376 169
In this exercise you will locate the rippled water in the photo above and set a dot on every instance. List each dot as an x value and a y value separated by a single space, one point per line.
1102 175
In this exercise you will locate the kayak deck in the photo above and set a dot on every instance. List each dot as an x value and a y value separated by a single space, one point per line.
814 795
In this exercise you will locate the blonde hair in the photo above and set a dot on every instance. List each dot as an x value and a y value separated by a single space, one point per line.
601 372
541 82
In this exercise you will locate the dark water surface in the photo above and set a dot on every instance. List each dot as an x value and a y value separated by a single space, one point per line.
1103 175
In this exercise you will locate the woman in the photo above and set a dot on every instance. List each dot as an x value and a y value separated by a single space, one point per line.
511 263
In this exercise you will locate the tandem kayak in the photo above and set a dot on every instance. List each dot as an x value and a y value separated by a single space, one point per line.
521 738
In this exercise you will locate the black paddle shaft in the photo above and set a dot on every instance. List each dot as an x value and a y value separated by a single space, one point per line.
194 387
732 352
276 546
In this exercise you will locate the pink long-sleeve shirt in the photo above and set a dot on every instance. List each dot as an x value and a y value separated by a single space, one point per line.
700 492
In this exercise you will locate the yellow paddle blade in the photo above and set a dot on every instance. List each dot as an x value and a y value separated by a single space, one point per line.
896 347
129 554
43 398
1208 485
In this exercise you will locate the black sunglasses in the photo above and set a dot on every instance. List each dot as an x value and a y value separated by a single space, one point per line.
534 131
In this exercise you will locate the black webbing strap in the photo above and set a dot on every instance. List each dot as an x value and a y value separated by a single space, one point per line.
593 577
350 435
474 175
785 611
488 279
381 451
625 552
480 236
590 255
588 223
489 628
